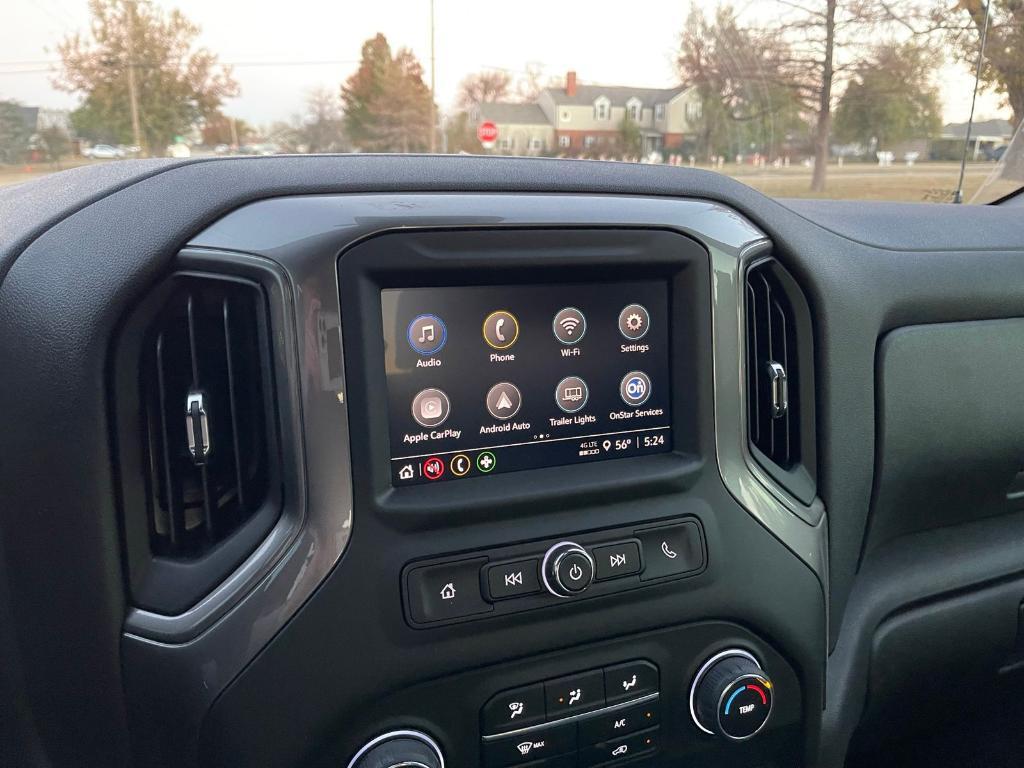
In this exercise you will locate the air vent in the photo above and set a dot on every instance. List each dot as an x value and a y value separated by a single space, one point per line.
205 382
780 405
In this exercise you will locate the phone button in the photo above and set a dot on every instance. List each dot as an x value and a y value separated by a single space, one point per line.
501 329
671 550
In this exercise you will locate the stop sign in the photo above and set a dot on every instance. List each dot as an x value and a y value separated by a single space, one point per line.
487 132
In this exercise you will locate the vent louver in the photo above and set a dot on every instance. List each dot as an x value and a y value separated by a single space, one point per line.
780 418
205 386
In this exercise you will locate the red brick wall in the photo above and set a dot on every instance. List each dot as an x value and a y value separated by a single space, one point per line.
673 140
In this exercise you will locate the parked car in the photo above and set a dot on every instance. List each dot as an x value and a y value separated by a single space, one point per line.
103 152
179 151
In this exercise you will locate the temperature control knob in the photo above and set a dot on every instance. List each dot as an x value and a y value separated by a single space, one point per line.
399 749
567 570
731 696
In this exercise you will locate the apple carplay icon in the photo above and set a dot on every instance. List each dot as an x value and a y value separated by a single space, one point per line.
504 400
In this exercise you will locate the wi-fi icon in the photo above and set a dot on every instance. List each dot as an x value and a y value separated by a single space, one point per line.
569 324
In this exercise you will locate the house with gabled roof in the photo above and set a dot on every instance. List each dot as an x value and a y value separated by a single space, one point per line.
580 118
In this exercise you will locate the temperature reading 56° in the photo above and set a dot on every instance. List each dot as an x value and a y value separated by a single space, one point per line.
623 444
651 441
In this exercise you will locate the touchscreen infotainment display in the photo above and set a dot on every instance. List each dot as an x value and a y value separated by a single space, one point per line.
489 379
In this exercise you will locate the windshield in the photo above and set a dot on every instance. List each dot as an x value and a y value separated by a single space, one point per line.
848 99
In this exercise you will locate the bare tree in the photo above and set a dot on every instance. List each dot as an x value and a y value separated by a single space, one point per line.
323 125
483 87
830 40
815 45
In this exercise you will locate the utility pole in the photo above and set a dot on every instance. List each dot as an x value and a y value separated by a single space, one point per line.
133 96
433 99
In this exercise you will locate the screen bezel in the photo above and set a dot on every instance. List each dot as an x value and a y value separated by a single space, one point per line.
451 257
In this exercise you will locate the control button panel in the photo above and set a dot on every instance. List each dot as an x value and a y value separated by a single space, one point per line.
573 716
534 575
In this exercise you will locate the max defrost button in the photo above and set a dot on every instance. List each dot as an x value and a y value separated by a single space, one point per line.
446 591
538 744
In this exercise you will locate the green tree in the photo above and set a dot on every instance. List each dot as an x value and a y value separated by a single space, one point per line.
631 141
15 133
460 135
1003 70
387 104
177 83
55 143
892 99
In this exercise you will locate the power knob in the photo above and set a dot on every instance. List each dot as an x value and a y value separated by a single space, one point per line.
731 696
567 569
399 749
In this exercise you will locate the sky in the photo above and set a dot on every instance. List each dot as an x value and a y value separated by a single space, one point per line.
281 51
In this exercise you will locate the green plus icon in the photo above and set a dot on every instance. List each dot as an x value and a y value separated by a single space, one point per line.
485 461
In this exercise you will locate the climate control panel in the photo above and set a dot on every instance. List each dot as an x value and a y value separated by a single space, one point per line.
589 718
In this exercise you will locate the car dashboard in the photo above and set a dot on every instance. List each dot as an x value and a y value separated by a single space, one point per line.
370 461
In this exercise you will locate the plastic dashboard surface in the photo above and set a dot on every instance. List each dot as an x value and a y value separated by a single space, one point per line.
56 286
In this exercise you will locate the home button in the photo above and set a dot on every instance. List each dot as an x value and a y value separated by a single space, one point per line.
445 591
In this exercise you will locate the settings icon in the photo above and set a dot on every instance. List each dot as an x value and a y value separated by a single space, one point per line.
634 322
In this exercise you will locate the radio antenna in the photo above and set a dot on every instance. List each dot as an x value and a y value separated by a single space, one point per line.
958 195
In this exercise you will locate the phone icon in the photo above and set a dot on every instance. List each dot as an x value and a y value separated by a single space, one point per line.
501 329
667 551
